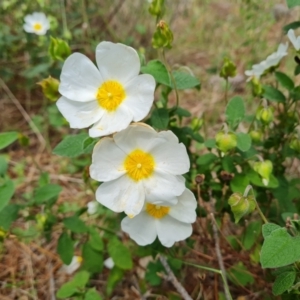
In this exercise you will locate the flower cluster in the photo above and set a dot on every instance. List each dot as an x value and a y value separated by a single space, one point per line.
140 170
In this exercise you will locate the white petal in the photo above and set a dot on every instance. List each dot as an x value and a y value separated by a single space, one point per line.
184 210
169 136
80 78
170 231
136 136
28 28
112 122
291 35
109 263
141 228
161 188
122 194
140 95
79 114
92 207
171 158
107 161
117 62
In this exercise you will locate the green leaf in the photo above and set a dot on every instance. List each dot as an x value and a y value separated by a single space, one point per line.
95 240
3 165
184 81
71 145
239 183
92 294
210 143
293 25
235 111
297 70
7 138
283 282
89 144
120 254
268 228
239 275
160 118
65 248
292 3
158 70
206 159
273 94
115 276
243 141
295 93
92 259
181 112
151 274
6 192
66 290
251 234
46 193
280 249
285 80
75 224
8 215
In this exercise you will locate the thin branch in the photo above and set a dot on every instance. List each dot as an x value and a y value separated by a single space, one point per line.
171 277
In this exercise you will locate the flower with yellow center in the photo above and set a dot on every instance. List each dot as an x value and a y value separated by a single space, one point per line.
169 223
109 97
36 23
138 163
73 266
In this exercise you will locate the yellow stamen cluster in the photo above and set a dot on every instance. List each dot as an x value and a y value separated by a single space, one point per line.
157 211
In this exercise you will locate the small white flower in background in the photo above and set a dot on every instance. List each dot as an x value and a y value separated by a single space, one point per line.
109 263
139 162
92 207
73 266
170 223
36 23
294 40
271 61
109 97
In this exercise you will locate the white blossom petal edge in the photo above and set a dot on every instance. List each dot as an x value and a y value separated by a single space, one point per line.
73 266
108 97
169 223
294 40
139 163
36 23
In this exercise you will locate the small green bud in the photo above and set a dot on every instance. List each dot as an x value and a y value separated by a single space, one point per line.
163 36
264 169
295 144
228 69
23 139
157 8
196 123
50 88
256 136
241 206
257 89
265 114
59 49
226 141
41 220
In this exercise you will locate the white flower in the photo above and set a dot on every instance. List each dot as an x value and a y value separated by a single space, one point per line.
92 207
170 223
73 266
136 163
36 23
109 97
109 263
294 40
271 61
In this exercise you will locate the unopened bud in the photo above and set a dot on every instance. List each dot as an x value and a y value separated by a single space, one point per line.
50 88
241 205
295 144
256 136
163 36
228 69
59 49
199 178
157 8
257 88
264 169
265 114
196 123
226 141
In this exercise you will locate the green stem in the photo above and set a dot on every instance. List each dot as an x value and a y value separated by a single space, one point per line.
63 16
226 91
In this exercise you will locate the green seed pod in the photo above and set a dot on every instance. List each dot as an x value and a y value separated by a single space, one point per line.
196 123
257 88
265 115
264 169
157 8
256 136
226 141
228 69
241 206
50 88
163 36
59 49
295 144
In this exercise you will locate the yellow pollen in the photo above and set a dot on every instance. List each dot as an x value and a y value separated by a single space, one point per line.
157 211
37 26
139 165
110 95
79 259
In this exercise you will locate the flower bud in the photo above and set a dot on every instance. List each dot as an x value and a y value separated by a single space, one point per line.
241 206
264 169
226 141
196 123
228 69
265 114
157 8
256 136
295 144
257 88
41 220
59 49
50 88
163 36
